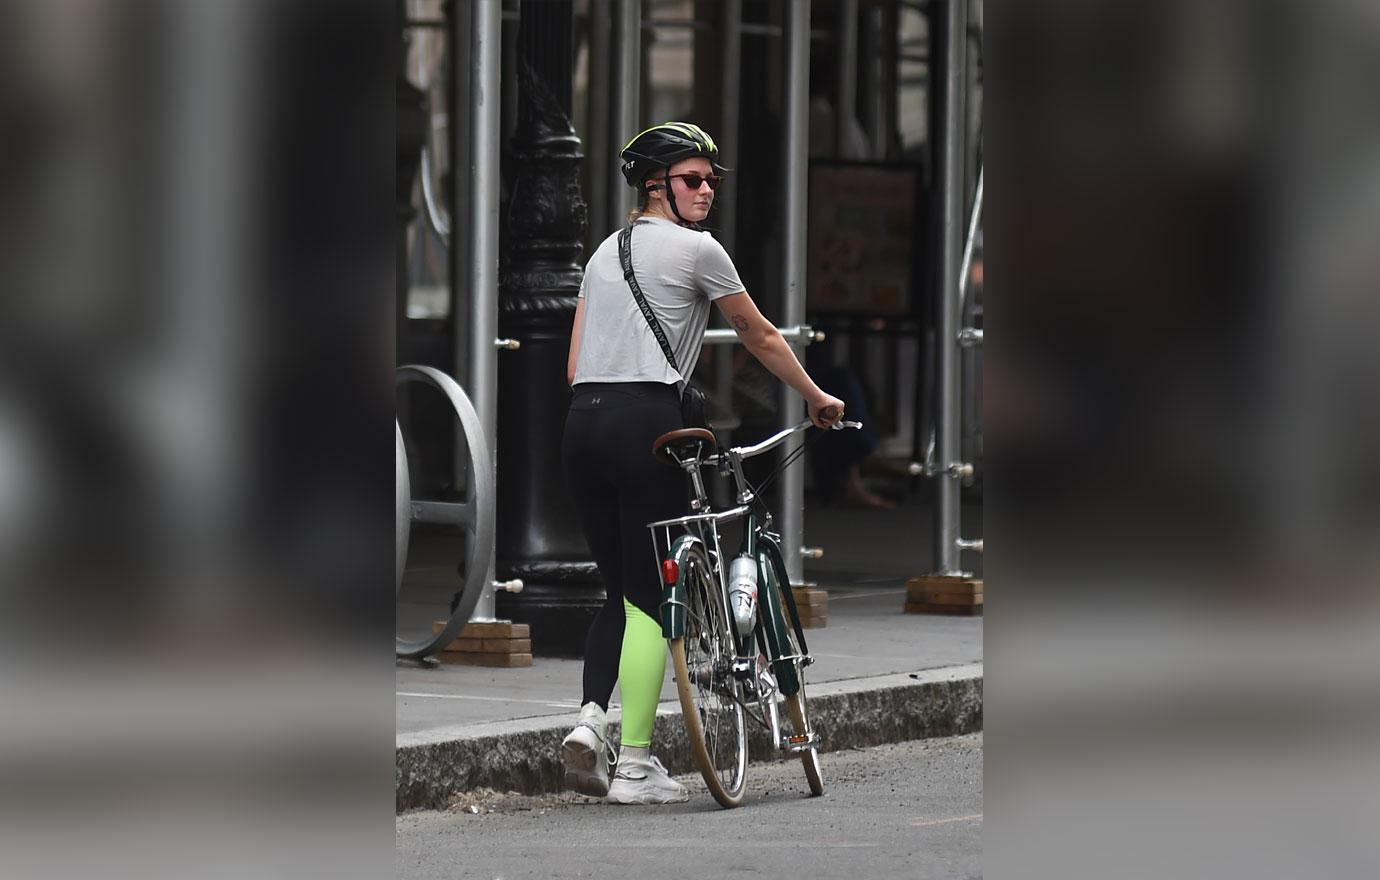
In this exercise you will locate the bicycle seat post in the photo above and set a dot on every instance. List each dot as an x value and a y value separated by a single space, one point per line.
692 467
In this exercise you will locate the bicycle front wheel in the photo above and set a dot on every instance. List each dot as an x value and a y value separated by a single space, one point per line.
790 670
709 693
795 706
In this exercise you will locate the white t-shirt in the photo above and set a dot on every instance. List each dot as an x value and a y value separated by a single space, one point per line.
681 271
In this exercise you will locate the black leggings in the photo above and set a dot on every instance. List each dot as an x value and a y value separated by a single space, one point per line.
617 488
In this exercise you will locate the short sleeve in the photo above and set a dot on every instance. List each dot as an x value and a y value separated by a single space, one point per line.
583 276
715 273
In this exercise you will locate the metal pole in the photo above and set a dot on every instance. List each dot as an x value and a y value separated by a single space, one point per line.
458 126
625 121
845 75
969 338
485 99
600 154
796 30
726 208
874 110
731 61
951 139
967 268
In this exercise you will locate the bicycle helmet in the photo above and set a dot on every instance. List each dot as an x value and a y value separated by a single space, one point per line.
660 147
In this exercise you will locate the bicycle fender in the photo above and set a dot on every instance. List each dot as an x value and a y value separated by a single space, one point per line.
773 617
673 595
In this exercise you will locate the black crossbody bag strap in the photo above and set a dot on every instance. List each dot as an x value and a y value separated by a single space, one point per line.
625 257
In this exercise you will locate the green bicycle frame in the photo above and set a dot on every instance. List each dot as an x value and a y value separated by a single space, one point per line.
773 625
771 574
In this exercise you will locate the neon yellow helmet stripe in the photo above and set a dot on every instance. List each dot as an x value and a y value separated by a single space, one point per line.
690 130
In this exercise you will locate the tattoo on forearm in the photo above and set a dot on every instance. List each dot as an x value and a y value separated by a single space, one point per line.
739 323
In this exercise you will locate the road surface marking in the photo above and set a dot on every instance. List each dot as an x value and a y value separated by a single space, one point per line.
558 704
926 823
835 597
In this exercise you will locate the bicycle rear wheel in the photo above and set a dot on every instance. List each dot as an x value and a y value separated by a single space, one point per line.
709 693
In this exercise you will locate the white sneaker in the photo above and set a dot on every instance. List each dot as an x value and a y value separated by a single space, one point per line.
586 753
644 781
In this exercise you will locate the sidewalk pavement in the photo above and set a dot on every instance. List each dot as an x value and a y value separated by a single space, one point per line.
879 676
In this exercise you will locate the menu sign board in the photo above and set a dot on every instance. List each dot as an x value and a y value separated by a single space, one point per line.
863 238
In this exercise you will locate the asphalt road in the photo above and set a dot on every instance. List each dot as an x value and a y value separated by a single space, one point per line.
911 810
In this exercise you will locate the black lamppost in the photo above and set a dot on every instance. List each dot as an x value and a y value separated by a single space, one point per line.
543 217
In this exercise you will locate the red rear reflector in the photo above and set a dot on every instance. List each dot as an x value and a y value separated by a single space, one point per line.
670 571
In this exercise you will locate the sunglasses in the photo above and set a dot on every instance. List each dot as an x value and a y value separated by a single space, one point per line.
694 181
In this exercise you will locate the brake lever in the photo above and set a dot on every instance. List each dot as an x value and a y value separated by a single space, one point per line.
840 425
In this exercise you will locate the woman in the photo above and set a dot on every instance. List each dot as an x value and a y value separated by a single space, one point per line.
626 394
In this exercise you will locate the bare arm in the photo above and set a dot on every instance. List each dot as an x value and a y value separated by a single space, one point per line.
766 344
575 330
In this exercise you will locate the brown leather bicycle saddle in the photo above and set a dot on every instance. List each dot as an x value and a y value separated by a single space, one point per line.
685 443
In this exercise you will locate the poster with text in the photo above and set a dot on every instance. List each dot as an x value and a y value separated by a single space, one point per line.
862 239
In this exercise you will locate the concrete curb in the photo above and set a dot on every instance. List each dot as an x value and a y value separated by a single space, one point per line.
524 755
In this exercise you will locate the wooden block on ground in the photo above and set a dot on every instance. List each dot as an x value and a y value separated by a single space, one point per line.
931 590
504 630
935 584
817 615
808 596
814 622
464 645
491 646
466 658
506 646
946 598
930 608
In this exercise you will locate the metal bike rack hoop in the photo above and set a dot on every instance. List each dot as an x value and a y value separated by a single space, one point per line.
402 510
475 515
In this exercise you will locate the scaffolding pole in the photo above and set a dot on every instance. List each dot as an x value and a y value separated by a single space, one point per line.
796 30
624 118
485 100
952 140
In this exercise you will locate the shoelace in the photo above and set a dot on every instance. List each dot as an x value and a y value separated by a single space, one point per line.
610 756
653 762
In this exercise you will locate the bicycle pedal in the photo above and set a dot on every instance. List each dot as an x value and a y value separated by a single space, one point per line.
799 742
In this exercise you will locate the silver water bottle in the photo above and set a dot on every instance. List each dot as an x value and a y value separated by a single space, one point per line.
742 593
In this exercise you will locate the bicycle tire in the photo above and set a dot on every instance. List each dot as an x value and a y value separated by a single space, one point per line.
790 674
715 722
814 775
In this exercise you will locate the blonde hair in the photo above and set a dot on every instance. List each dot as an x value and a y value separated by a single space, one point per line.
644 195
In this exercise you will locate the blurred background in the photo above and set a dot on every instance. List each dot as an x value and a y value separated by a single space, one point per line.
196 385
1181 500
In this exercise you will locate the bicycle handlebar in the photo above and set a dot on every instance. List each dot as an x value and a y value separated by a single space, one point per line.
778 438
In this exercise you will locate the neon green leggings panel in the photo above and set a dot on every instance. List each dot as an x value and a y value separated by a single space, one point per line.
641 671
